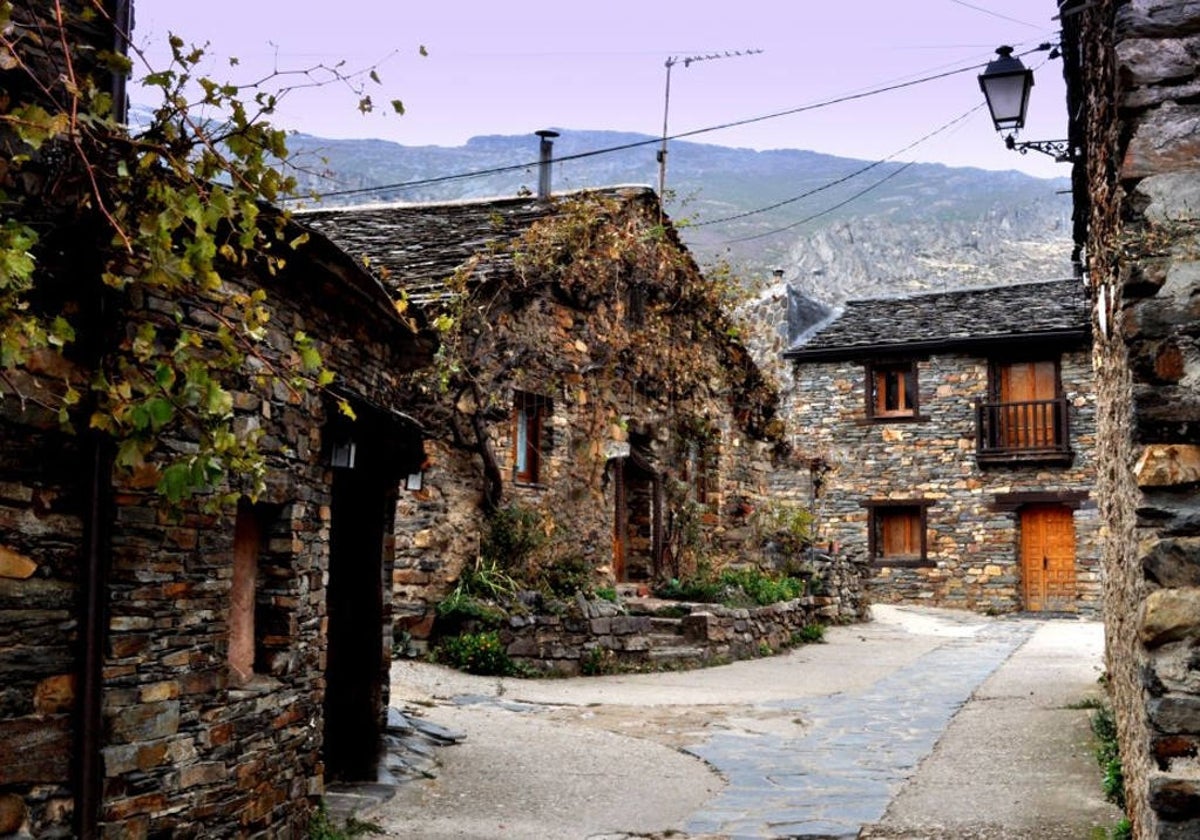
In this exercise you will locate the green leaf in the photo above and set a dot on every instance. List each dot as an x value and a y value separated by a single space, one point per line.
398 107
160 411
176 482
61 332
130 453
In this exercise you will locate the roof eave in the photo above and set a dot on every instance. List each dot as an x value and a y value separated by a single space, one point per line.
1062 339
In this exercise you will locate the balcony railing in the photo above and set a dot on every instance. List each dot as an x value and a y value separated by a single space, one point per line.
1020 432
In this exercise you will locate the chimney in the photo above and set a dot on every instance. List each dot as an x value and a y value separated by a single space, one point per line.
545 155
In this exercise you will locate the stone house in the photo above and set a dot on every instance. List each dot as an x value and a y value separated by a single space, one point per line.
1132 81
197 670
185 673
951 440
588 373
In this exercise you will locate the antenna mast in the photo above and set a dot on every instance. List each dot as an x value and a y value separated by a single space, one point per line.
686 61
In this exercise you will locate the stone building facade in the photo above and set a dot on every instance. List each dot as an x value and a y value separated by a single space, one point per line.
616 403
127 709
1133 77
950 440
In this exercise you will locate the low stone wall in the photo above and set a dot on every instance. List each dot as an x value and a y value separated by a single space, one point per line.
601 635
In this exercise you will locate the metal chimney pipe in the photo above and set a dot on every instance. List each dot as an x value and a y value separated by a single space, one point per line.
545 155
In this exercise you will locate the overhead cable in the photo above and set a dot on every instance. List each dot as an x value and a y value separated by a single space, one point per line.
843 179
850 97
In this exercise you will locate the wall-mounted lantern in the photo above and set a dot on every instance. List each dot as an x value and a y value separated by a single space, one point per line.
343 453
1006 84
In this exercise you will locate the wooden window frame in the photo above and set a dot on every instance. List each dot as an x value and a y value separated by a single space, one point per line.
529 436
880 508
910 394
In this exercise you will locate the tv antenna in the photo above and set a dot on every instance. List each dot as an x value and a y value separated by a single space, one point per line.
686 61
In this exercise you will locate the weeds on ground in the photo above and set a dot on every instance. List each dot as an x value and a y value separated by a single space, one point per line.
598 661
321 827
1108 756
809 634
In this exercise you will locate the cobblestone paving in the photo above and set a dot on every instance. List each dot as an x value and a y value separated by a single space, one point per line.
858 748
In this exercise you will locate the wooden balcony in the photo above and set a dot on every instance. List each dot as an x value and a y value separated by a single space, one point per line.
1014 433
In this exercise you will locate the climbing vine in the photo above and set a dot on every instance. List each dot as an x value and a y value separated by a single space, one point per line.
122 250
634 319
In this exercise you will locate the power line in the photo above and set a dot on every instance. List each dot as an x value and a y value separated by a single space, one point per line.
827 210
498 170
844 178
998 15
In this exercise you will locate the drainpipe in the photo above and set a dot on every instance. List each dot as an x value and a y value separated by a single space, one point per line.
96 546
545 156
122 19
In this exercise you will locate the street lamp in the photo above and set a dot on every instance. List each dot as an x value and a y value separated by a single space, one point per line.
1006 84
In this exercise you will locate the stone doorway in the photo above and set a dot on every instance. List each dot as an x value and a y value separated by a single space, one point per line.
637 529
354 598
1048 558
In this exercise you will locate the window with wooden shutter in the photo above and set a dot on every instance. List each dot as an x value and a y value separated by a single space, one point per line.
892 390
897 532
529 432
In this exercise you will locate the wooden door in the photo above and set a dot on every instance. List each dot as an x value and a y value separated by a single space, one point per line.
620 519
1027 413
1048 558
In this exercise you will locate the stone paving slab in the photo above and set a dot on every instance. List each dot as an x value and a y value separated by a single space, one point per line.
857 750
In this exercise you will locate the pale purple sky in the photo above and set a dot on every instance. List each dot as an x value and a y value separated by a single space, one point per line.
512 68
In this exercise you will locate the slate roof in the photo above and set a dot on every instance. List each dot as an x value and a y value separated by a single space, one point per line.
417 247
1054 311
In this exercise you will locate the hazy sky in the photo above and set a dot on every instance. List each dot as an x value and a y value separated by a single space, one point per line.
499 67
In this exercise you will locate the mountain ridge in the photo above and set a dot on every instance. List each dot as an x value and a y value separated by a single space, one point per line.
867 228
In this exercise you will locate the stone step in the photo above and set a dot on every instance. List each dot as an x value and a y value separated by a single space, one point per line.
665 626
664 640
677 655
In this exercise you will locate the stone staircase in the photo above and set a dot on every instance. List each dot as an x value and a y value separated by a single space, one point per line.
669 646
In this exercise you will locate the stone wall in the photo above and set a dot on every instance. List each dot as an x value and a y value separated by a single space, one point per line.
184 751
599 635
971 524
41 531
1133 74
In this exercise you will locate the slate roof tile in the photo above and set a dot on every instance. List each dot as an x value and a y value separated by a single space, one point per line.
1056 309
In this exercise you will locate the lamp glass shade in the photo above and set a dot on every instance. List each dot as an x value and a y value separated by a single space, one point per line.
1006 83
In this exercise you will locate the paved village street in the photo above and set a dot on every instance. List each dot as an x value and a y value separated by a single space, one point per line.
922 724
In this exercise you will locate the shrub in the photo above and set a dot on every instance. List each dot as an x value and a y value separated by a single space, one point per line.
789 527
763 588
597 661
733 587
698 589
514 534
809 634
477 653
460 607
606 593
566 576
